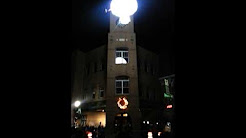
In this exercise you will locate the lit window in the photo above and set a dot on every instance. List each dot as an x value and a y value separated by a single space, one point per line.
122 39
121 56
122 85
125 115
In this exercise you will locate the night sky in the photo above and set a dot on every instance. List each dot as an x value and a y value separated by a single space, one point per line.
154 27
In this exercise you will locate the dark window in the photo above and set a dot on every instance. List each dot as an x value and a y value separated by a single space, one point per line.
93 95
101 92
153 71
99 67
122 85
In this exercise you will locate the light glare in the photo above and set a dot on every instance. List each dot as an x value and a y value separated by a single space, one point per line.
120 60
124 20
77 103
124 9
150 134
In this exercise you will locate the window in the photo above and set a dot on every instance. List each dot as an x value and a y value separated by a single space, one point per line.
99 67
83 120
122 39
148 68
93 95
101 92
153 71
121 56
122 85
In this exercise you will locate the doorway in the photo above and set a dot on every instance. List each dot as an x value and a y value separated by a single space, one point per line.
122 125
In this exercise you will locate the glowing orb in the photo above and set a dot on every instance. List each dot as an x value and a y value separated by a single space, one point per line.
150 134
123 9
77 103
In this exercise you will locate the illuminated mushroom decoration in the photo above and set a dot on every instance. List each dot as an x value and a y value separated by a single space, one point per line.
122 103
123 9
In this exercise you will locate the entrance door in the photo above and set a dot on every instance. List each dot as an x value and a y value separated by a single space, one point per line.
123 125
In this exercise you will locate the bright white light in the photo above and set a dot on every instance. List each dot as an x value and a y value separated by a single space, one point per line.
150 134
89 134
147 122
123 9
159 133
144 122
124 20
122 39
120 60
77 103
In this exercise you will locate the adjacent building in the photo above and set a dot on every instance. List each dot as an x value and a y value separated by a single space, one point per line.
168 90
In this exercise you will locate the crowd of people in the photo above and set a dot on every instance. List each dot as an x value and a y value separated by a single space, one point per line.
83 131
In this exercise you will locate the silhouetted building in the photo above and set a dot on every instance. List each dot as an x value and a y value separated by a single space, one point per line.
117 84
168 94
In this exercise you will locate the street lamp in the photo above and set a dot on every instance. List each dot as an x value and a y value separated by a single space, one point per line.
77 103
77 113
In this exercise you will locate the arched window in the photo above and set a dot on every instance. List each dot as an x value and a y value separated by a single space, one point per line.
121 56
122 85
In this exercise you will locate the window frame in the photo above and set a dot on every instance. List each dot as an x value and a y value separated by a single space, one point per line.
100 92
122 80
122 52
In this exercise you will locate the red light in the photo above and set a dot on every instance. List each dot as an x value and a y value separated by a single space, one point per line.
169 106
89 134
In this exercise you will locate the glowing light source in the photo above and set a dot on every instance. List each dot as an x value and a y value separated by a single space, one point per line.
123 9
159 134
169 106
77 103
122 103
89 134
125 115
150 135
120 60
168 95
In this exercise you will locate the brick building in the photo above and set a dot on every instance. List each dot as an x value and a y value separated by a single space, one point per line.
118 83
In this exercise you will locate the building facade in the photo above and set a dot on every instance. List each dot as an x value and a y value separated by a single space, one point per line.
168 91
117 84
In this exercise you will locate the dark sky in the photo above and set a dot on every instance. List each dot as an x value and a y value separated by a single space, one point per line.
154 27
